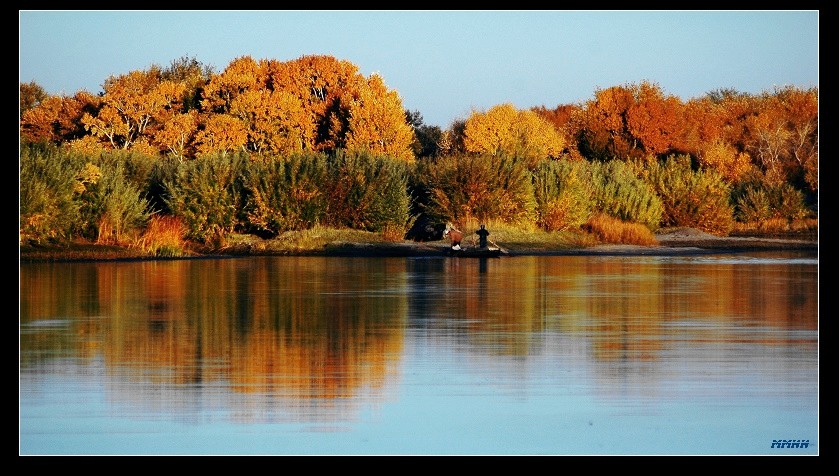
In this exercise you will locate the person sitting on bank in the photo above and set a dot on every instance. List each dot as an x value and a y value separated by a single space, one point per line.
482 235
455 235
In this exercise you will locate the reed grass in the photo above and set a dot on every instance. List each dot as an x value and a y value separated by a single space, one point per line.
612 230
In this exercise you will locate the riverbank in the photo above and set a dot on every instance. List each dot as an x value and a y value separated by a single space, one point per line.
671 241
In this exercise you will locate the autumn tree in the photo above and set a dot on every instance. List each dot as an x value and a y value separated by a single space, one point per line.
58 118
784 136
220 134
505 130
654 119
133 104
241 75
707 135
177 134
276 121
31 95
605 133
566 119
631 122
377 122
193 74
325 86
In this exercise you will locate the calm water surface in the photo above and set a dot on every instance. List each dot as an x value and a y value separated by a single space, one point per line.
713 354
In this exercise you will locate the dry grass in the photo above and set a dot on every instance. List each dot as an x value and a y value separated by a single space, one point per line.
612 230
312 240
164 236
777 226
528 236
393 233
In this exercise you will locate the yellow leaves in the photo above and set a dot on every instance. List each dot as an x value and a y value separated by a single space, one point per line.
176 134
90 174
275 120
377 122
503 129
221 134
726 160
242 74
88 145
57 118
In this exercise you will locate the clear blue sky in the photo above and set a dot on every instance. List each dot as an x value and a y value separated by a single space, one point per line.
444 63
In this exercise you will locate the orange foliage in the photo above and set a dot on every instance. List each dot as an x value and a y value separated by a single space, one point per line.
242 74
57 118
220 134
631 122
276 121
654 120
177 133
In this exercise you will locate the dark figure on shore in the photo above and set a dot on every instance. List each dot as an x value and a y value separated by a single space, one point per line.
482 234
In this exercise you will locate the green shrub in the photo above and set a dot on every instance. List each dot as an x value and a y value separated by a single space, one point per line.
285 194
563 201
112 206
49 210
206 194
475 188
366 192
757 199
694 198
619 193
752 203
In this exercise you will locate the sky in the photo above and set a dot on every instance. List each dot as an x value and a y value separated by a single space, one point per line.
444 64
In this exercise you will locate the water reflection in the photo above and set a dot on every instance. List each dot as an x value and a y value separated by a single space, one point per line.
292 329
323 340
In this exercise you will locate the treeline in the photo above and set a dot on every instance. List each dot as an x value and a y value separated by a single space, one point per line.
266 147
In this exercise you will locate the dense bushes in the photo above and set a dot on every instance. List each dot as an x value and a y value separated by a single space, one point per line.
206 194
283 195
619 193
48 189
113 209
366 192
470 187
154 204
756 199
216 195
697 198
563 199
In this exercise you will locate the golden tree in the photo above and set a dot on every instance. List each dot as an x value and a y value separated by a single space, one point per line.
275 120
176 134
241 75
220 134
503 129
57 118
377 122
325 86
133 103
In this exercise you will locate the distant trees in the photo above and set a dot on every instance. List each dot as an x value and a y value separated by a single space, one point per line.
266 107
31 95
268 146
